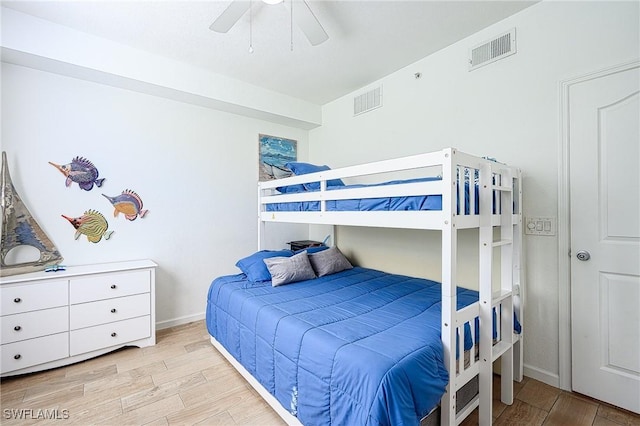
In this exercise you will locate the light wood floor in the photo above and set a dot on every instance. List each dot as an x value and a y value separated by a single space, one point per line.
183 380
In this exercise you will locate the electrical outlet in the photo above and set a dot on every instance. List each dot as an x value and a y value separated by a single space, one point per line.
540 226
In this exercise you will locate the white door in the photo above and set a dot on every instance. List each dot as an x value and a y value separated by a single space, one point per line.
604 163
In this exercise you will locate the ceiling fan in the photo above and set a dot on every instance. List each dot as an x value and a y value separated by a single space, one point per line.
300 10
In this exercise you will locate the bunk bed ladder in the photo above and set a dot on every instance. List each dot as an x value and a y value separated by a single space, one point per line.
496 308
449 280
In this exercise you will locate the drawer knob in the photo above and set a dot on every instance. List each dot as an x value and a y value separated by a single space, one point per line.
113 311
17 300
113 286
17 356
17 328
114 334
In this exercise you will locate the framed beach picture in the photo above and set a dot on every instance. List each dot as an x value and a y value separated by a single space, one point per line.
274 153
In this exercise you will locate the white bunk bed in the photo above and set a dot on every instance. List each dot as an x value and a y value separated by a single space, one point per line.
499 221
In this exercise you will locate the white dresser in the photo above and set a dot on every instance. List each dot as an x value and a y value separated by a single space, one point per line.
49 319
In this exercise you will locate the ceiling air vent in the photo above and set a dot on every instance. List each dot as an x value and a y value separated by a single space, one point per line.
367 101
490 51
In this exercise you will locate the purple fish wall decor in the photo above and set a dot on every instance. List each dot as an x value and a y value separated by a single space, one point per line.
129 203
92 224
80 171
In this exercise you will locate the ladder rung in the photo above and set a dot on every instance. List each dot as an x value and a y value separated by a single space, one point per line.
501 188
466 375
499 349
502 243
499 296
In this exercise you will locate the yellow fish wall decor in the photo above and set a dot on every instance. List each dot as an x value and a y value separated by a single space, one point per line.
92 224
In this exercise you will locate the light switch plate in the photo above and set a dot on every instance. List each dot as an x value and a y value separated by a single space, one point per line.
540 226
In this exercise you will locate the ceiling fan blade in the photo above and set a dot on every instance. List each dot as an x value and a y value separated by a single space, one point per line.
308 22
230 16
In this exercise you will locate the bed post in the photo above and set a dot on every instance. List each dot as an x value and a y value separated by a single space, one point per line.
485 258
506 282
449 304
518 277
261 223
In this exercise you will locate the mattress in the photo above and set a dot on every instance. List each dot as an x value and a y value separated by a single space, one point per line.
357 347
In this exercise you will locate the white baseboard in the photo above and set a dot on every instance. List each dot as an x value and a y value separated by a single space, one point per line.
552 379
179 321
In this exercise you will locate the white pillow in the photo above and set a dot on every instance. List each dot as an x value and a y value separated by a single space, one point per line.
329 261
286 270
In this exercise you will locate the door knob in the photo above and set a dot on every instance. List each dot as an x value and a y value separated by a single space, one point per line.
583 255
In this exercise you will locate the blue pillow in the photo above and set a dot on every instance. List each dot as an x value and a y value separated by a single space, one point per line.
291 189
299 168
254 267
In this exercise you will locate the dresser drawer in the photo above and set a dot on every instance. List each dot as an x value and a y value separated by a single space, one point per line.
110 310
32 297
109 286
27 353
107 335
29 325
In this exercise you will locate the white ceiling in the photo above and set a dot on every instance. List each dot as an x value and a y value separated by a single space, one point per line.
367 39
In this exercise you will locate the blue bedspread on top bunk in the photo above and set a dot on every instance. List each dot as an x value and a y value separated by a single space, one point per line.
357 347
418 202
414 202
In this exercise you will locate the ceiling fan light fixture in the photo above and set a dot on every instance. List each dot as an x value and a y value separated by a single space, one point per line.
304 17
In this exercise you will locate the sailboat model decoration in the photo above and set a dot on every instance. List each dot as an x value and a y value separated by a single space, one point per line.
19 228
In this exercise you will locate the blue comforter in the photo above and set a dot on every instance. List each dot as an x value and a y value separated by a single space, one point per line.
416 202
411 203
358 347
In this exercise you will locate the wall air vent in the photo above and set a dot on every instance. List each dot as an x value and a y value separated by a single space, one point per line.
367 101
490 51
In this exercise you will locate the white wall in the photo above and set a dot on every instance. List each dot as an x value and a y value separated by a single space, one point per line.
194 168
508 110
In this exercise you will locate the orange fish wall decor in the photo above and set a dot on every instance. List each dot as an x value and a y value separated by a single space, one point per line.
129 203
